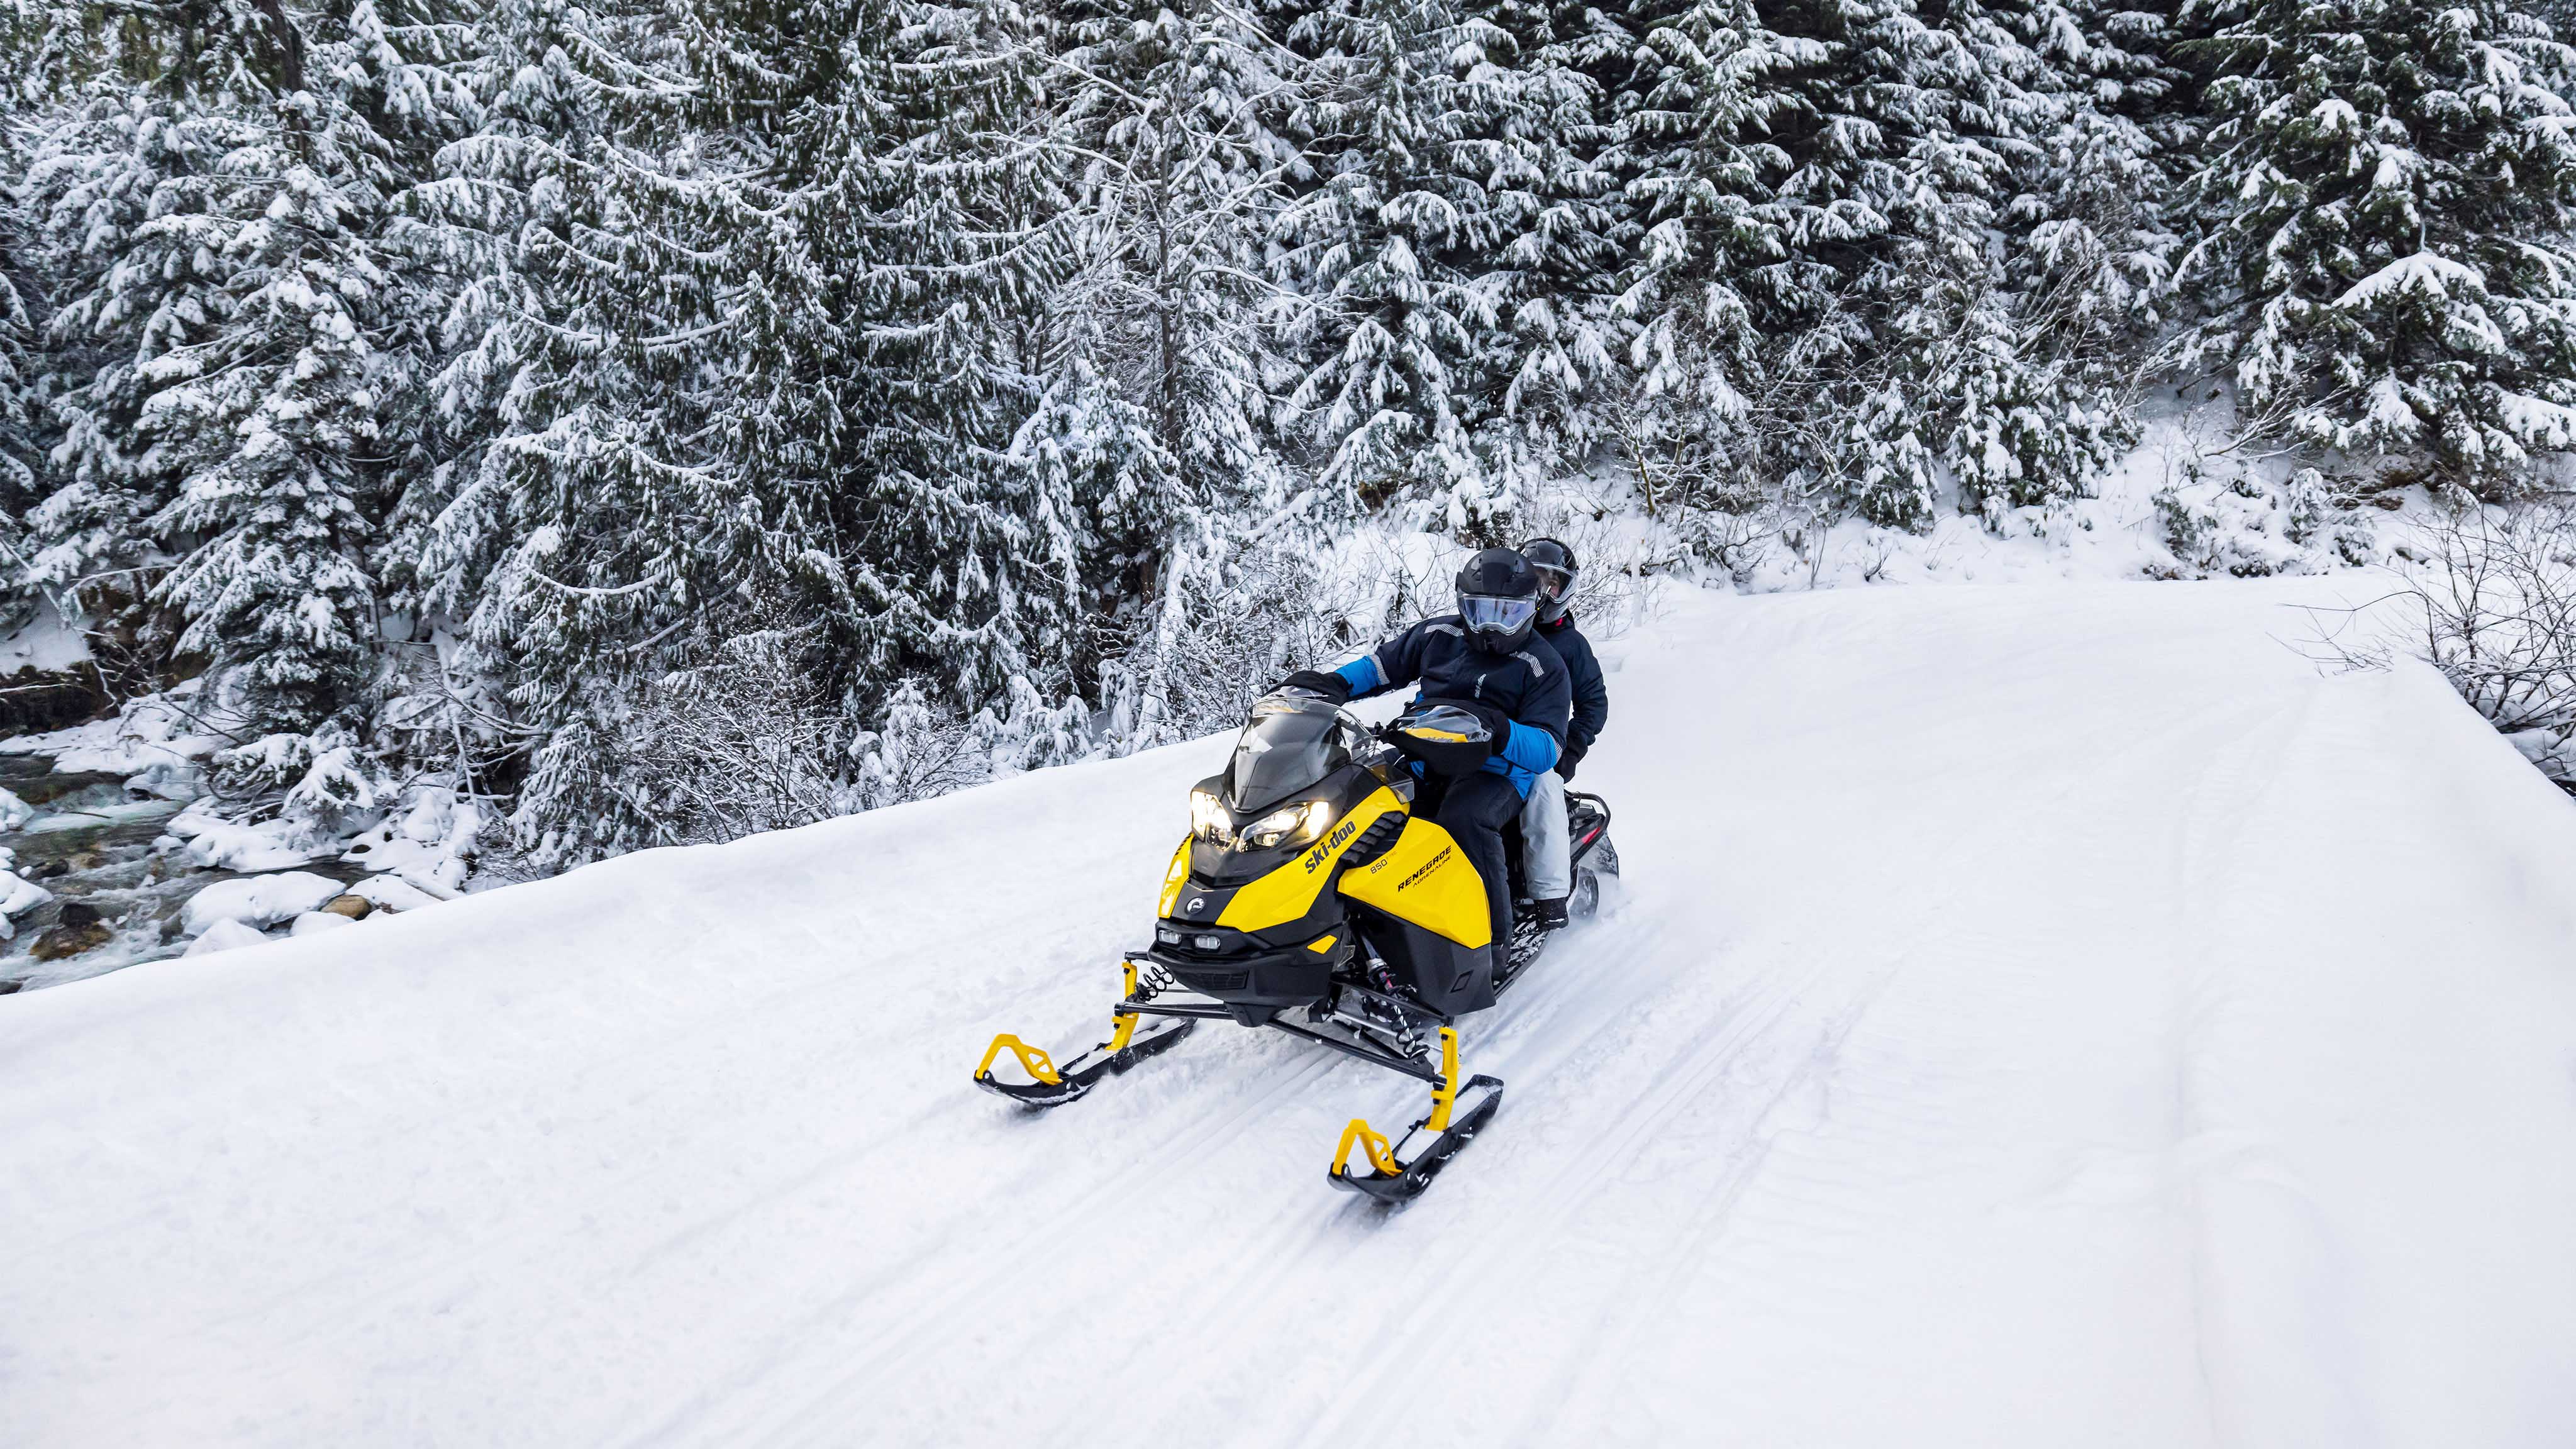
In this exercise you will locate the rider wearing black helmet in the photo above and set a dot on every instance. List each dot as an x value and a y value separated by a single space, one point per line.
1487 658
1549 874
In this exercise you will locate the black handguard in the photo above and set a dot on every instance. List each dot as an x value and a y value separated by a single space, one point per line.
1319 682
1452 737
1497 723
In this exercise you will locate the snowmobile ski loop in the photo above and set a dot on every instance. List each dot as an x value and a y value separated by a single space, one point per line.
1381 1153
1033 1060
1051 1086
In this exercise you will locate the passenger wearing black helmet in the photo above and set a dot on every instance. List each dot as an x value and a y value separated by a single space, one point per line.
1544 864
1488 659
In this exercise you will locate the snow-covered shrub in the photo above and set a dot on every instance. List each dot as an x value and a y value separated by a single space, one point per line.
2498 601
916 751
271 761
2247 528
1233 615
431 842
743 743
323 784
1032 734
341 790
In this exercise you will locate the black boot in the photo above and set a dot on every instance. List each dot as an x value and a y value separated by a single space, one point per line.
1548 915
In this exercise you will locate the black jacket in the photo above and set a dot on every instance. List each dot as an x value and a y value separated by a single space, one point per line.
1591 695
1530 685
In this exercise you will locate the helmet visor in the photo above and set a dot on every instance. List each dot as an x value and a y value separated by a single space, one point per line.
1488 614
1552 581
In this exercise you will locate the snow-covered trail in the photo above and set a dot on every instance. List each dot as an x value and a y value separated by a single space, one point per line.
2035 1015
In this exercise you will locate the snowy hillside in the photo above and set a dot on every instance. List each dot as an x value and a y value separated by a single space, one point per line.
2037 1015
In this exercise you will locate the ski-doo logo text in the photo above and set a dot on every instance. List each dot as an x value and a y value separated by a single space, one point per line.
1316 857
1428 867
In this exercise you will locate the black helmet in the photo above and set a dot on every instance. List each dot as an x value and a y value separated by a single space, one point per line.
1556 570
1498 598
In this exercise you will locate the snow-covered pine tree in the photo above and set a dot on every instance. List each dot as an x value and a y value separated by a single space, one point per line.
109 174
2379 247
1696 104
1155 365
1873 144
952 206
303 405
2093 244
1533 76
2031 413
1391 252
26 371
223 225
612 513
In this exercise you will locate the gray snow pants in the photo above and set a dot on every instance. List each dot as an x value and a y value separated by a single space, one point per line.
1545 865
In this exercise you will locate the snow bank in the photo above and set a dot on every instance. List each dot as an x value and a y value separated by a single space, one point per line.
2037 1016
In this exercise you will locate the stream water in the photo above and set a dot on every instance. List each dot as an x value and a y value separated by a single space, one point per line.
117 890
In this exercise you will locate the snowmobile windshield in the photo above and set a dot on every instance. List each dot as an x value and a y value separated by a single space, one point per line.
1290 745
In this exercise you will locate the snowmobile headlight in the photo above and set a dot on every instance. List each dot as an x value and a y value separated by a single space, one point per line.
1292 825
1208 820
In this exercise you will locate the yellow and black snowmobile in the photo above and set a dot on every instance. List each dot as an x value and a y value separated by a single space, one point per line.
1309 899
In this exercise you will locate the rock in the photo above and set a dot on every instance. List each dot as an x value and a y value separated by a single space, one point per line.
260 900
77 913
225 936
393 893
314 923
353 907
18 896
70 938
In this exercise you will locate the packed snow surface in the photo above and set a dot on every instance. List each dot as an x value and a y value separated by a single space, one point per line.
2035 1016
